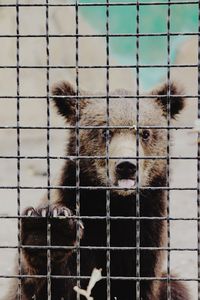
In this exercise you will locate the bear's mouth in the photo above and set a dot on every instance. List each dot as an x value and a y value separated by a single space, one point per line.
127 183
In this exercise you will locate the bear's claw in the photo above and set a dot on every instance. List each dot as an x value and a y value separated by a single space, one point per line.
50 211
63 226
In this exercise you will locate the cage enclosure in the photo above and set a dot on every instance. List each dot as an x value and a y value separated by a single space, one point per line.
99 149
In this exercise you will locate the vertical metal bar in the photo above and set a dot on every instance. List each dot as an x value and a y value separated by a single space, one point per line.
168 150
137 152
19 292
107 152
48 154
198 160
78 258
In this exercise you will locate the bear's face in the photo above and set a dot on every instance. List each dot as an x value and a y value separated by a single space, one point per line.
120 156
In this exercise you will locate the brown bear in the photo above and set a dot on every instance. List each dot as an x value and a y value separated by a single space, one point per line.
111 205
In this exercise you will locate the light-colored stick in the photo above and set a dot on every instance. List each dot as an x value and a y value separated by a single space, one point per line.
95 277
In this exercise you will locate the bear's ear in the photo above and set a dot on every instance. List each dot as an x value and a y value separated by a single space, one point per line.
177 102
66 101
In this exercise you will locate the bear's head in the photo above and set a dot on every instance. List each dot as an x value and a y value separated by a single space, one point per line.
123 141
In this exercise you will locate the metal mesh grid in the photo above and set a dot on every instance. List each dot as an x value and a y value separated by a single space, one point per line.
107 95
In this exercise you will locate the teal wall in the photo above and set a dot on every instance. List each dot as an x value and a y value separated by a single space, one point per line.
153 19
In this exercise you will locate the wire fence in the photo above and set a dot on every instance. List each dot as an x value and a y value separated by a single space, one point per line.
140 278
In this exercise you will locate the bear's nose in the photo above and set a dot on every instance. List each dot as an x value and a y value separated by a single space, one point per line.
125 169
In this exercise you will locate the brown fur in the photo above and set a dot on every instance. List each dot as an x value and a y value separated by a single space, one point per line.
152 173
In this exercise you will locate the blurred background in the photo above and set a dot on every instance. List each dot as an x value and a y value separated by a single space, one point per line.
92 52
152 21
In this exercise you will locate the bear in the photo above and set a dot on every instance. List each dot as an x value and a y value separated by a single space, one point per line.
110 208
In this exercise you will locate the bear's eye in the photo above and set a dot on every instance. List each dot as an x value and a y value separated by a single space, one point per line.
145 134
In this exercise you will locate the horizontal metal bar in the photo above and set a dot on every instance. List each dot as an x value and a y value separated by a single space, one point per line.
100 66
97 97
100 157
128 3
98 127
56 187
100 35
102 218
168 278
99 248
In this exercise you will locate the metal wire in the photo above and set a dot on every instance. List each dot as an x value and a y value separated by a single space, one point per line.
168 151
198 161
104 277
103 248
78 256
18 153
146 66
111 217
102 157
100 35
107 95
108 257
137 154
166 3
101 97
57 187
48 152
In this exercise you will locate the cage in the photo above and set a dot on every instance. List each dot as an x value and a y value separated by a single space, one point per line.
102 47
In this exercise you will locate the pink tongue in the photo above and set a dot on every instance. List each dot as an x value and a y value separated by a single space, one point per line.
126 183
